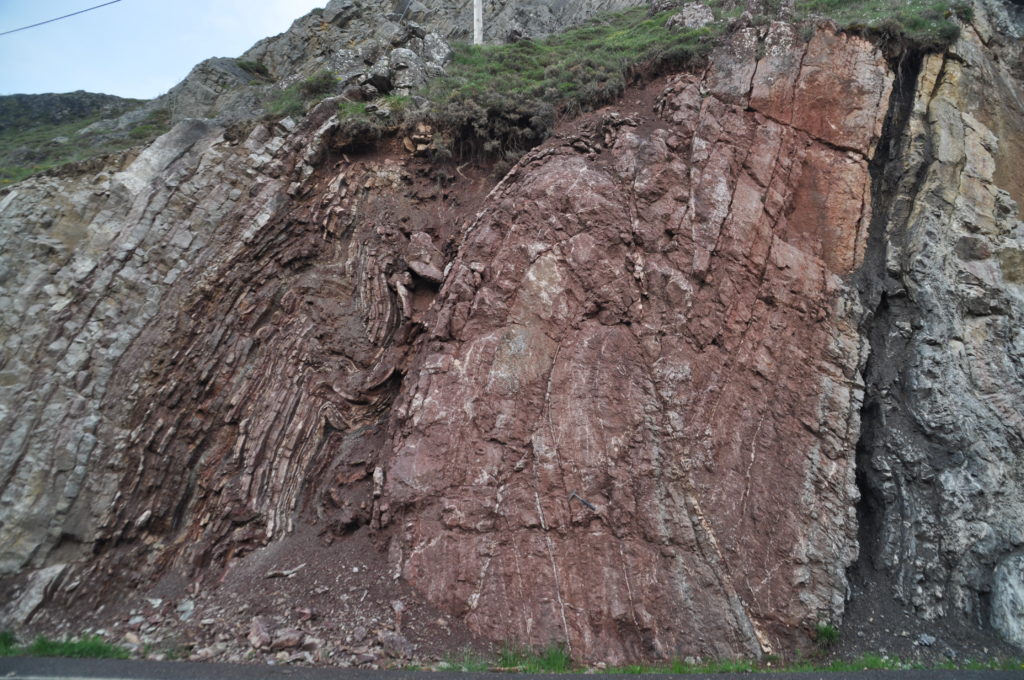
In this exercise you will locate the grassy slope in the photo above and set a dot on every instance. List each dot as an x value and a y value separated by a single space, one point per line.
28 149
499 100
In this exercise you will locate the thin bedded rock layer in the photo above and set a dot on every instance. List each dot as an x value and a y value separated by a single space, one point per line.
632 427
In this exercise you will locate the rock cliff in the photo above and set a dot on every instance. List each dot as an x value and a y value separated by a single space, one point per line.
735 357
386 43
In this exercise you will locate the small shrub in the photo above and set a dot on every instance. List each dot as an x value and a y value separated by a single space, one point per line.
552 659
826 635
506 163
254 67
964 11
347 109
287 103
318 85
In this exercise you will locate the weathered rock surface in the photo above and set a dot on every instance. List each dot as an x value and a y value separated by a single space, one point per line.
356 40
394 45
654 319
631 405
942 454
506 20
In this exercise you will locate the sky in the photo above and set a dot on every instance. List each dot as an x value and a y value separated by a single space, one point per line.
132 48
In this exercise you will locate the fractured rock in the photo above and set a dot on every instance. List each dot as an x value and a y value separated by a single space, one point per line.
692 15
259 635
286 638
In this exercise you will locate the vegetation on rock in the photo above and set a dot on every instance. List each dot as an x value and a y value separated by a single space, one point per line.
505 98
295 99
29 148
926 25
254 67
93 647
500 100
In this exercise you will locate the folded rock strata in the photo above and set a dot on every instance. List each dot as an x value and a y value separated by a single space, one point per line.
629 401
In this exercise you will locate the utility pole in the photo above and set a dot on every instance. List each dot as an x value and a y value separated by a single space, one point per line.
478 22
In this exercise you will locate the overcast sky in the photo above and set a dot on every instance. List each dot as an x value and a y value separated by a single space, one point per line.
133 48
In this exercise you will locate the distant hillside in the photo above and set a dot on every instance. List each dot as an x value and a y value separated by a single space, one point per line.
33 110
41 131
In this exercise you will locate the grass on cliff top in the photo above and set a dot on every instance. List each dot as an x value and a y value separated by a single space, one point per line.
497 101
578 69
505 98
86 648
926 25
25 151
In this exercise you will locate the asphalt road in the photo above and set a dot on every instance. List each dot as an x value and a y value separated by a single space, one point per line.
26 668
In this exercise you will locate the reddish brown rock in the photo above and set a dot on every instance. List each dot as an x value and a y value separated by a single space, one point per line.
632 427
259 635
286 638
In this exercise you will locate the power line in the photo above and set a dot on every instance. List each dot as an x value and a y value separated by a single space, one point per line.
50 21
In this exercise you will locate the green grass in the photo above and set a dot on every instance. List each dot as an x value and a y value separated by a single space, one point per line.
552 659
503 98
86 648
25 151
296 99
826 636
497 101
555 659
922 24
579 68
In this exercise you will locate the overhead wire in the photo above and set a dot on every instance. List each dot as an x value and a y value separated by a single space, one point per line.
50 21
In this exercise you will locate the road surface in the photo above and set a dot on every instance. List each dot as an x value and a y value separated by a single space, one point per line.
28 668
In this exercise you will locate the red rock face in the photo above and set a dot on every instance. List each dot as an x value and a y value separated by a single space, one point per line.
632 427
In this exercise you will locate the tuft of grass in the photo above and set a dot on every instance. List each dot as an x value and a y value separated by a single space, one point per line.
826 636
256 68
551 659
319 84
350 109
295 99
93 647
